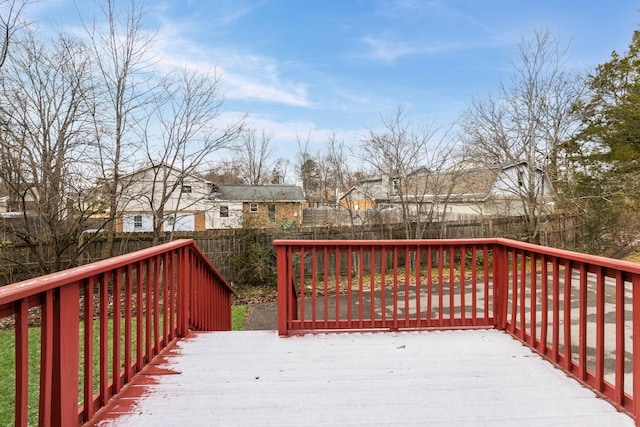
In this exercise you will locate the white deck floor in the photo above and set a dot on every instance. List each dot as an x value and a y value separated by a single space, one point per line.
452 378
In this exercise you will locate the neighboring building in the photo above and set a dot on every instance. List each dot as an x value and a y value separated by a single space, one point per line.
25 201
488 191
365 195
184 210
238 206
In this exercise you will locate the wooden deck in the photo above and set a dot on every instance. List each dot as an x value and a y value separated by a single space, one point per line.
444 378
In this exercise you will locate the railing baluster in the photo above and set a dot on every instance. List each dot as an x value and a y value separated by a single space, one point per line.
314 277
514 298
544 306
372 295
383 287
486 282
337 279
474 286
568 273
533 300
463 306
22 363
115 376
88 349
582 344
302 315
620 347
165 300
429 285
600 324
440 285
46 361
635 302
325 284
104 339
556 311
128 296
139 321
349 287
418 257
360 286
407 273
523 295
156 297
452 273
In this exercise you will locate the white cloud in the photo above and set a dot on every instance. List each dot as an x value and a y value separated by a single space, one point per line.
243 76
386 49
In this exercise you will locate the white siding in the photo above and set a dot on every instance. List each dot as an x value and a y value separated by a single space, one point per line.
234 218
183 222
137 222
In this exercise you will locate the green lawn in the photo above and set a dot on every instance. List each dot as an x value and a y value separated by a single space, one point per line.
7 364
238 316
7 376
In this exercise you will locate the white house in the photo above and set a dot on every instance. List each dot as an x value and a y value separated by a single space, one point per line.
500 190
142 193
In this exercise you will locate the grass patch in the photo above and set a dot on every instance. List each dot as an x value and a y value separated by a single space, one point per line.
238 316
7 376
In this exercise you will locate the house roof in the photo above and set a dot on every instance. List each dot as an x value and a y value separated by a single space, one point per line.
460 185
162 166
259 193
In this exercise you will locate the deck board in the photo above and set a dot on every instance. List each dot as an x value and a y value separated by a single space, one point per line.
442 378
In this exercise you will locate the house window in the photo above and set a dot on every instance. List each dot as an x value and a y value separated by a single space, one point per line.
137 221
271 210
171 220
186 189
396 184
224 211
253 207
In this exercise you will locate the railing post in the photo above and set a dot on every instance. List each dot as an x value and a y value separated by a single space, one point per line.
636 346
184 271
500 285
283 290
66 329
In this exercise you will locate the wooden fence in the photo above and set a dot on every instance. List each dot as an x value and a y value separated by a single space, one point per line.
231 250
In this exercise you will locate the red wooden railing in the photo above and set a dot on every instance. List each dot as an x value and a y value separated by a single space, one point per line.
578 311
99 324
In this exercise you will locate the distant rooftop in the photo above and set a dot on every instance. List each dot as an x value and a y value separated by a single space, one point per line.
259 193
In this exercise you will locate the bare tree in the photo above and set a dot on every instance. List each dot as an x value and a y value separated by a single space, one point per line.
225 172
10 21
46 115
408 159
528 121
120 48
255 155
308 169
339 161
182 133
280 171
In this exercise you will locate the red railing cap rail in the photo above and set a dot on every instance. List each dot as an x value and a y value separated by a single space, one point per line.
600 261
26 288
617 264
393 242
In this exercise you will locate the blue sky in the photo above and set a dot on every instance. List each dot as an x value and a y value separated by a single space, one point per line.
312 67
